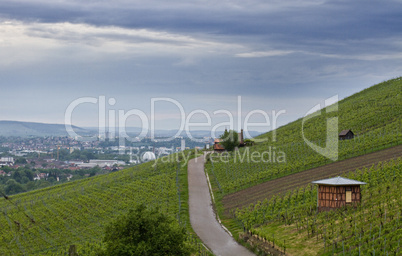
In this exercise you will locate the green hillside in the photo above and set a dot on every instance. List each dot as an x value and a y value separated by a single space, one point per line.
374 115
47 221
373 228
376 110
291 222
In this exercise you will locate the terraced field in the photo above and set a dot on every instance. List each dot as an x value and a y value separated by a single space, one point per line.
374 115
282 185
373 227
47 221
253 193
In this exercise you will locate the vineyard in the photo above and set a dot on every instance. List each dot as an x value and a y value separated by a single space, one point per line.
293 224
282 185
374 115
47 221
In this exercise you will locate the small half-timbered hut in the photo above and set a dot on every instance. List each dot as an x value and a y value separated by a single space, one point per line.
337 192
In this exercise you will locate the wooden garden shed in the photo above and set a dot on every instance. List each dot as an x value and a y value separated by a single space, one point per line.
337 192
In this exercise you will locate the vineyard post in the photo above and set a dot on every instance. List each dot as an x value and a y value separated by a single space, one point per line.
73 250
379 234
343 248
284 246
373 246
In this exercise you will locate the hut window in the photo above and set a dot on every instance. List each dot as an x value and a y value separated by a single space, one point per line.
348 195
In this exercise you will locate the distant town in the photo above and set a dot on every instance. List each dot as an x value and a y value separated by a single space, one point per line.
28 163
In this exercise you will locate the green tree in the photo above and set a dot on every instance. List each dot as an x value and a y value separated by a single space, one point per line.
17 175
145 232
230 140
13 187
24 180
21 160
28 173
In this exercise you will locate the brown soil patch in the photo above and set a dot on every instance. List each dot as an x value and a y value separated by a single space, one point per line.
282 185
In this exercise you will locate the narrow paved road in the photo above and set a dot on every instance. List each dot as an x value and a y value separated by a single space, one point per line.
202 216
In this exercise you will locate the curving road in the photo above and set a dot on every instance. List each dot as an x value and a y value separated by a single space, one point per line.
202 216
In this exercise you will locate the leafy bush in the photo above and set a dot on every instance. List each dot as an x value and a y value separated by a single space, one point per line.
145 232
230 140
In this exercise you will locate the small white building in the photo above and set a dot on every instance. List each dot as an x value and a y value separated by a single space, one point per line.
7 161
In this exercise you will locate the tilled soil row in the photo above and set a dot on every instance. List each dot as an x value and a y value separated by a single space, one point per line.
282 185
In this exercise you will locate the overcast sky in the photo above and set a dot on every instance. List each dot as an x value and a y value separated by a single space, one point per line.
277 55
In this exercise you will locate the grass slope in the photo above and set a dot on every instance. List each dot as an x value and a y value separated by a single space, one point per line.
372 228
374 115
47 221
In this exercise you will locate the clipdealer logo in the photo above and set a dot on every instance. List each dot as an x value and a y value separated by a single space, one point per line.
330 150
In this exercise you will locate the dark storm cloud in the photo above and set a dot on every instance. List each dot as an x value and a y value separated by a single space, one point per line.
36 11
332 19
260 49
328 27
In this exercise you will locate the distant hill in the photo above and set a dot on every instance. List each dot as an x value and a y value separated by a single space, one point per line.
26 129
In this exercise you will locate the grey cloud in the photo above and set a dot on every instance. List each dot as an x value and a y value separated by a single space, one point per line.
325 26
246 19
307 49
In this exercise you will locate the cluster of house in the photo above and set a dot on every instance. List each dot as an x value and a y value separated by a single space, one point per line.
44 176
41 176
21 147
108 165
38 176
3 173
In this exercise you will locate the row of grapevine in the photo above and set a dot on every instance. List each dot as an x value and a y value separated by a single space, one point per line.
238 170
373 228
47 221
374 115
